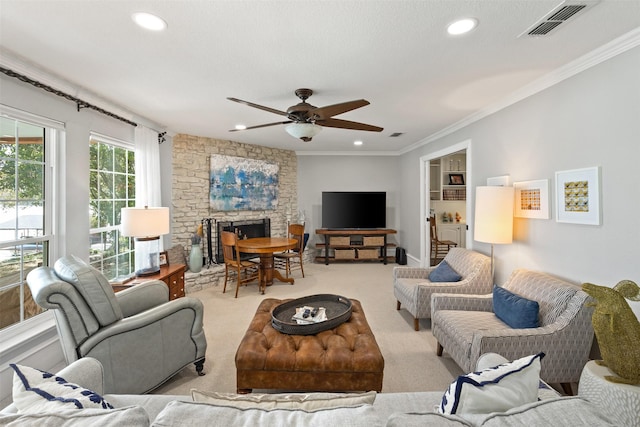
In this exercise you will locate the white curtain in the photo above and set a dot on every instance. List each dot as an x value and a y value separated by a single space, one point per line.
148 192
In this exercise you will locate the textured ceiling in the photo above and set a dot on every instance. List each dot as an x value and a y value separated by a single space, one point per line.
395 54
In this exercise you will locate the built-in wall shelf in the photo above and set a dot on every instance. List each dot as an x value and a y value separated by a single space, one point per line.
448 178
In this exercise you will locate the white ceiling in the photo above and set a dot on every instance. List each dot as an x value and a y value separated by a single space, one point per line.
395 54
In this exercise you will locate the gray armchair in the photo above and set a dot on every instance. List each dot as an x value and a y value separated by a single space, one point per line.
141 338
412 287
466 326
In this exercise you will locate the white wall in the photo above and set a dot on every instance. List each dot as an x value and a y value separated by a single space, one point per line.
39 347
347 173
590 119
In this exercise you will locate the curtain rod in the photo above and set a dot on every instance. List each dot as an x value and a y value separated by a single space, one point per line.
79 102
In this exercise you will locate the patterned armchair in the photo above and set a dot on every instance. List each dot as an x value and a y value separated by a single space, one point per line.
412 287
466 327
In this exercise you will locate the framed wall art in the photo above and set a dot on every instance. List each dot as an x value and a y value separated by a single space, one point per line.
532 199
578 196
456 179
239 183
164 259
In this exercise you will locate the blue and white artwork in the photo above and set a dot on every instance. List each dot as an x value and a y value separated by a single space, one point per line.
241 184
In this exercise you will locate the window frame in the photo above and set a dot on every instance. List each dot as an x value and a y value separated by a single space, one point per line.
54 134
129 201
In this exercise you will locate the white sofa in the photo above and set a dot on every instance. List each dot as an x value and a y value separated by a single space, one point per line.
388 409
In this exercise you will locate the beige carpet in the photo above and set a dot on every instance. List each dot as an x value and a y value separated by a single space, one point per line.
410 360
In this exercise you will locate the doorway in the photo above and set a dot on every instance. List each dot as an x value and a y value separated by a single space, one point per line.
445 177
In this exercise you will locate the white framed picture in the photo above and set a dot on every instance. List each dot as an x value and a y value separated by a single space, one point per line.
532 199
578 196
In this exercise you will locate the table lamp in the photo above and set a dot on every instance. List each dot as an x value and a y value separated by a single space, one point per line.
494 216
146 225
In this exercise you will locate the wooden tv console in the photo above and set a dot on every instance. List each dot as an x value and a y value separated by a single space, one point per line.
354 245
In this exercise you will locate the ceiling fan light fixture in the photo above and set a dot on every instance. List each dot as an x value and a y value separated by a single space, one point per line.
303 131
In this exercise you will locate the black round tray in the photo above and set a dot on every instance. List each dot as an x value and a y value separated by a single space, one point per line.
337 309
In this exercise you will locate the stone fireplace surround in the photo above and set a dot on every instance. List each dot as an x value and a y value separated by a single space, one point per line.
190 195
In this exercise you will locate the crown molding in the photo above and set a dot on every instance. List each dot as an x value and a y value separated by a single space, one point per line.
22 66
620 45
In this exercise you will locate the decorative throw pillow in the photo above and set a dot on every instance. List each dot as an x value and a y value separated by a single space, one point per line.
571 411
307 402
194 414
119 417
514 310
444 273
495 389
38 391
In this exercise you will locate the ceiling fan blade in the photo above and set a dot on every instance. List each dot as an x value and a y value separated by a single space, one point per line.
335 109
261 126
346 124
260 107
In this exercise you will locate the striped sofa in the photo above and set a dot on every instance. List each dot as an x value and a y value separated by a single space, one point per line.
412 287
466 327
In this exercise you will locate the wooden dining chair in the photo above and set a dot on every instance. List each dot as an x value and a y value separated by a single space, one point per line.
246 271
292 258
439 248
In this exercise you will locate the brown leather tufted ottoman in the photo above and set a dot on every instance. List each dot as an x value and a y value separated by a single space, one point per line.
346 358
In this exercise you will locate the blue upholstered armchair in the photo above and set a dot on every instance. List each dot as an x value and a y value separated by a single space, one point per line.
141 338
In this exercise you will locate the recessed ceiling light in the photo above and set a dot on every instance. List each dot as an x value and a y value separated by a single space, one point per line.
357 142
241 127
462 26
149 21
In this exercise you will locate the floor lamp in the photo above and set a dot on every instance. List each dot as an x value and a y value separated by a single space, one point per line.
494 217
146 225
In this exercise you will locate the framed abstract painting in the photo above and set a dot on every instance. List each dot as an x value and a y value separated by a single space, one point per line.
242 184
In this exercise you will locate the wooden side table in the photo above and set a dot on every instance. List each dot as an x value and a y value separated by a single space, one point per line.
172 275
618 401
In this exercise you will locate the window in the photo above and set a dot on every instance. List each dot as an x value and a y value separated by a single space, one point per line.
112 187
26 204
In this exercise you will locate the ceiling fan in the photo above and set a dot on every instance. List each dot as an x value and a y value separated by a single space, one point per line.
305 120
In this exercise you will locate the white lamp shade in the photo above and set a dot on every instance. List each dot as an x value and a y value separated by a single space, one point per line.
494 215
144 222
304 131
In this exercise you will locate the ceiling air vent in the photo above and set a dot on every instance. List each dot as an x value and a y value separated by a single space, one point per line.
396 134
556 17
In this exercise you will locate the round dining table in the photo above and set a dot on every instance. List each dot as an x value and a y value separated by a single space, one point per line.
265 247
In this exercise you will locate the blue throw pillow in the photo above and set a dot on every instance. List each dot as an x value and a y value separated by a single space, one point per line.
444 273
514 310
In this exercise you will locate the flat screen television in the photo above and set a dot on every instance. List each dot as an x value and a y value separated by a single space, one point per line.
354 209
